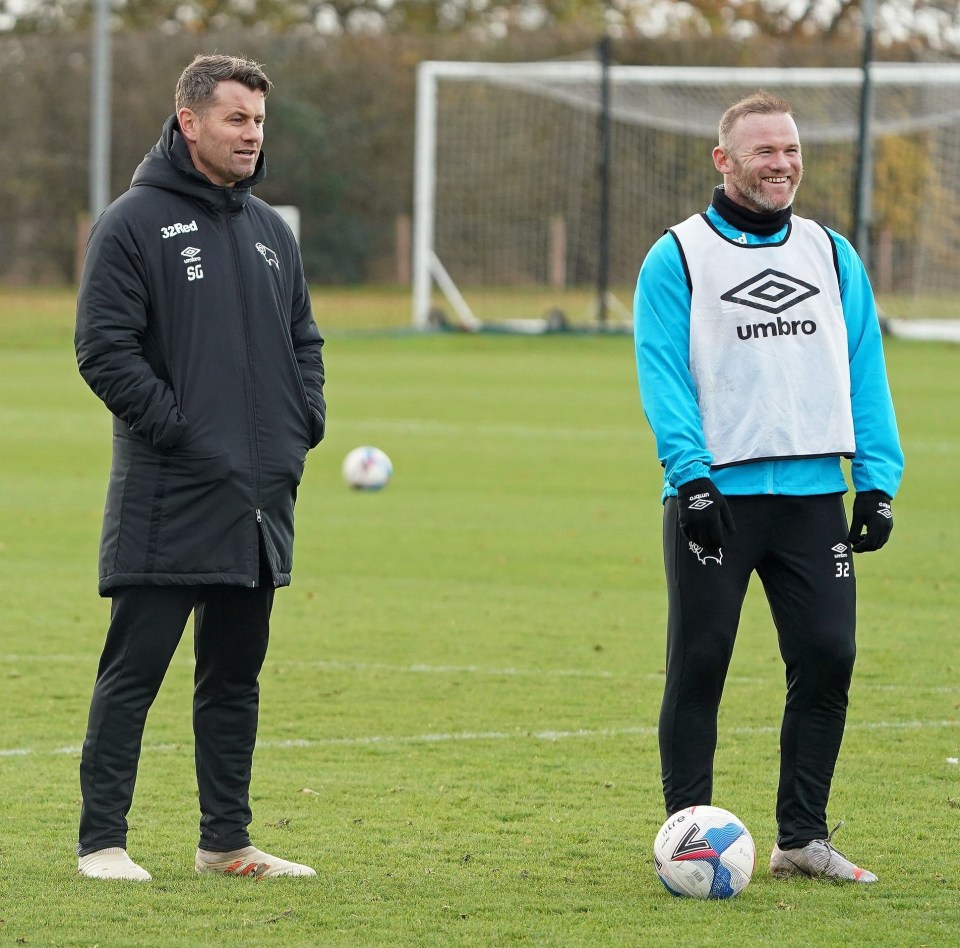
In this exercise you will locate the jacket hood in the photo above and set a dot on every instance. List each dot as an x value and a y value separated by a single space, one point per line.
168 165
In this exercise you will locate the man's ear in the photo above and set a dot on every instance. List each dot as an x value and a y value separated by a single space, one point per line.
188 120
721 160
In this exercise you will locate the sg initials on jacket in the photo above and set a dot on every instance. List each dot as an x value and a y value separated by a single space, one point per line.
191 257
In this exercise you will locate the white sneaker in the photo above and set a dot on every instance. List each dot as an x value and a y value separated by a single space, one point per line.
113 863
249 861
818 859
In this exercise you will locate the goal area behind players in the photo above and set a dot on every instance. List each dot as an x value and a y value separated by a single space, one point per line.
507 206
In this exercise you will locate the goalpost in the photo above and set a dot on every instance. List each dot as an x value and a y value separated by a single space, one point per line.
506 219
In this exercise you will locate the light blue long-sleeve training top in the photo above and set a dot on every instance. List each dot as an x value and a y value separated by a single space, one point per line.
669 397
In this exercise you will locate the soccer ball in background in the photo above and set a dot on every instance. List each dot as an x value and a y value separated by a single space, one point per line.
704 852
367 468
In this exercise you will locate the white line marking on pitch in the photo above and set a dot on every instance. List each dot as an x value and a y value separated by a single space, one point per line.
415 668
457 736
418 668
422 668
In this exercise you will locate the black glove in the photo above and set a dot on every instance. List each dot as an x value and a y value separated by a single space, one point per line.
704 514
871 513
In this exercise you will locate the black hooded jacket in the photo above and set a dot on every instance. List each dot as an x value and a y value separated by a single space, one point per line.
194 327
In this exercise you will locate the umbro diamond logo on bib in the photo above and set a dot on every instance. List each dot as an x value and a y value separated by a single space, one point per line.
771 291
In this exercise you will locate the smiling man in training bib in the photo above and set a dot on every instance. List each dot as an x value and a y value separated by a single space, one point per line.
761 367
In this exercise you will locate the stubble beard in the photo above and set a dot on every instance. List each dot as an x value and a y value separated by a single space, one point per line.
763 202
225 167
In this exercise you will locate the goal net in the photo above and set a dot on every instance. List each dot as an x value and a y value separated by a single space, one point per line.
507 204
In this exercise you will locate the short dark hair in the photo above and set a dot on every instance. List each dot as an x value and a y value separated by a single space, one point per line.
198 82
760 102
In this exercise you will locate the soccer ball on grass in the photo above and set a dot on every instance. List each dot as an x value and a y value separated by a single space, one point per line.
367 468
704 852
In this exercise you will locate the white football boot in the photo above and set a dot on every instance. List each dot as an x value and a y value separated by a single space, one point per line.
819 860
112 863
249 861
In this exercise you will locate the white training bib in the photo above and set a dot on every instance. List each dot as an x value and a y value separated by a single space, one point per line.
768 344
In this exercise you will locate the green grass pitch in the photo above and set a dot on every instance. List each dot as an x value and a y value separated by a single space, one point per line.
458 710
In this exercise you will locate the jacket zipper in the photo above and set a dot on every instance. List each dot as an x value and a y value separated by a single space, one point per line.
253 585
249 388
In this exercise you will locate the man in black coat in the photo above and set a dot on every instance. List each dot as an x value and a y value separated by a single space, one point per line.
194 326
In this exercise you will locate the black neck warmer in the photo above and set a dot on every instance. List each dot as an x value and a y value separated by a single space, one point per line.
764 225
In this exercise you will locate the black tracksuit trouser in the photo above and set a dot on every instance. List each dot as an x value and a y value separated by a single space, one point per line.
231 631
798 548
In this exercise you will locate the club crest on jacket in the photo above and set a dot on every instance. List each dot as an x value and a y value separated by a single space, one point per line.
269 255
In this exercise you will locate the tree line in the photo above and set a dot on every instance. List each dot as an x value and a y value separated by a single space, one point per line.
339 133
934 24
